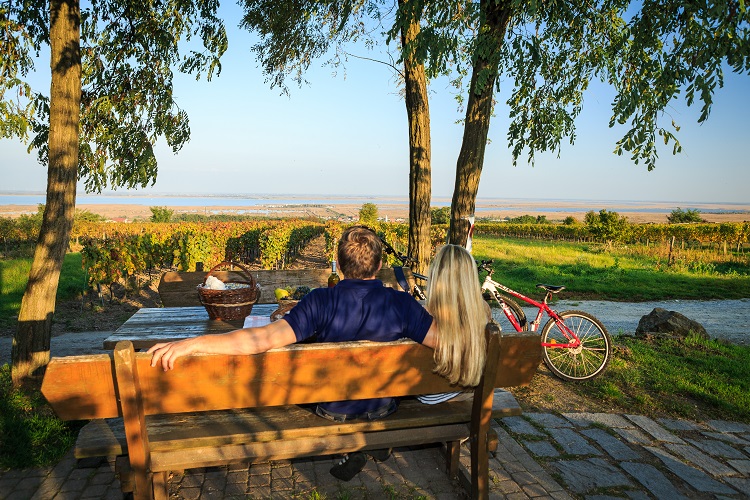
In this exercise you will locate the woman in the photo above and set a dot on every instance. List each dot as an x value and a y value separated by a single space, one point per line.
454 299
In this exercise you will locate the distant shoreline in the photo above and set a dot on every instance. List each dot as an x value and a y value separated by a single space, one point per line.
131 207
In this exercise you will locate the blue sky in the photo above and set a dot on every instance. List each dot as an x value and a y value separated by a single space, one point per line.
346 133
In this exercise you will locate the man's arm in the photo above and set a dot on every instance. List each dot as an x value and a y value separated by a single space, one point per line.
244 341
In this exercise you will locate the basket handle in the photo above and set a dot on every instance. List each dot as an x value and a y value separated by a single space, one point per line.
244 271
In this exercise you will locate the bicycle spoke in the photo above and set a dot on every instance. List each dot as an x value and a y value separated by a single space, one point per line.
584 361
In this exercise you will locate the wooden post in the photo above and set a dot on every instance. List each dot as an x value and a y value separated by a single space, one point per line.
129 392
481 416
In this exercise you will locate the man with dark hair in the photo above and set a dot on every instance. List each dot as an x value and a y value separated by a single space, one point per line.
358 308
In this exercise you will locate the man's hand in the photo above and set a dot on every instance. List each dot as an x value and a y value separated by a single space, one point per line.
167 353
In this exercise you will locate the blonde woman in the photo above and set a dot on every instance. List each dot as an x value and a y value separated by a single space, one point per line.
460 314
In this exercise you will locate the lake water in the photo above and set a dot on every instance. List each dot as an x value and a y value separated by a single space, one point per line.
495 205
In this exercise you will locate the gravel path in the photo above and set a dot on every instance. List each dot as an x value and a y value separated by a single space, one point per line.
725 319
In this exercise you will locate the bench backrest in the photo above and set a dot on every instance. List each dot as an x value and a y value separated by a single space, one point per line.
94 386
178 289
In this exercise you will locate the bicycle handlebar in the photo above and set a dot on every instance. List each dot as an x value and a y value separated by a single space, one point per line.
486 265
405 260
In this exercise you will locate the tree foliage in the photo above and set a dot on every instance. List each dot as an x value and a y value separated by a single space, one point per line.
607 226
440 215
368 213
161 214
680 216
129 52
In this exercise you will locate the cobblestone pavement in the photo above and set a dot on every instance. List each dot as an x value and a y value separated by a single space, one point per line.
541 455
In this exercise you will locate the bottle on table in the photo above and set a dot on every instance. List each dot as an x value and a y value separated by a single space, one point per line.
333 278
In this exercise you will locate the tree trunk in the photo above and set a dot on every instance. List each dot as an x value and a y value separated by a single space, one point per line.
495 17
420 170
30 353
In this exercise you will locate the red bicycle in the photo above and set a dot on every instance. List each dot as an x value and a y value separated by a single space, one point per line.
575 344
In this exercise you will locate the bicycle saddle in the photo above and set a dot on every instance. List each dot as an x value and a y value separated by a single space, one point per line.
551 288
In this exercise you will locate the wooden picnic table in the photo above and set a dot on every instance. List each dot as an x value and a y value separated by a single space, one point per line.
152 325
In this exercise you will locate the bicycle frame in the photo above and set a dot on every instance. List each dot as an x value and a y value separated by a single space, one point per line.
417 291
543 308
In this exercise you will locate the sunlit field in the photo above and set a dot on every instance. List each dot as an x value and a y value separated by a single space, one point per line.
626 273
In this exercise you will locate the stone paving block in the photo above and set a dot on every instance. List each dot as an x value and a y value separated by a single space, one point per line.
717 448
215 483
601 497
637 495
548 420
506 487
633 436
259 492
585 419
680 425
573 443
742 466
73 486
237 477
282 484
724 426
192 493
697 457
582 476
94 491
519 425
610 444
560 495
259 480
80 474
657 431
102 477
541 448
31 493
548 482
281 472
260 468
694 477
190 480
534 490
729 438
652 479
742 484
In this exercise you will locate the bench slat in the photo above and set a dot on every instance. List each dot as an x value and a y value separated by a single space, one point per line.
221 428
303 447
82 387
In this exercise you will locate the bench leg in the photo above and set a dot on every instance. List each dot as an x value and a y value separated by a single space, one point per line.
453 455
161 489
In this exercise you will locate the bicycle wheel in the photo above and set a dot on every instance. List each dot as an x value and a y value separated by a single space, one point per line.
584 362
502 319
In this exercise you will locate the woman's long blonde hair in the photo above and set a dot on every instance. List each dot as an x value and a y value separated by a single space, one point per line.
454 299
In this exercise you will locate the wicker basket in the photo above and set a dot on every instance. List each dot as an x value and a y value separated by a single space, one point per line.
235 302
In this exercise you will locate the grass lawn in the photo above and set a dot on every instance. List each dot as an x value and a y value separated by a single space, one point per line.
633 274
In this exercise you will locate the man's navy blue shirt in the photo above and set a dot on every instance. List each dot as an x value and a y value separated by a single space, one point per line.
358 310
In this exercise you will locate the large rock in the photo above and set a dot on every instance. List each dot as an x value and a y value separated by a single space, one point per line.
661 321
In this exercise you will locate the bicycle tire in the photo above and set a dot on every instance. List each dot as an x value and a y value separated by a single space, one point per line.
504 322
585 362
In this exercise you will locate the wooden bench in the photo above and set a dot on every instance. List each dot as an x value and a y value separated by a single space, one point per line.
178 288
219 409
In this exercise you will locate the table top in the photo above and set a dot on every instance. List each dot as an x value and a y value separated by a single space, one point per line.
152 325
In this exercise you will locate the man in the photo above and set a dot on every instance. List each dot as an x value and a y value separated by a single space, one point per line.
358 308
